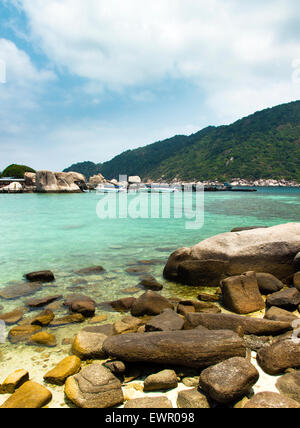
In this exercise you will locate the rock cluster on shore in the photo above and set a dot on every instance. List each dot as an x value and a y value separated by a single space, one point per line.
212 346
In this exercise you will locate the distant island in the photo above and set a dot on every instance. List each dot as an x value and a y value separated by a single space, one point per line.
265 145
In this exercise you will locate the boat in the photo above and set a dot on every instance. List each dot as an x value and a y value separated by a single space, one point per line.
109 188
160 188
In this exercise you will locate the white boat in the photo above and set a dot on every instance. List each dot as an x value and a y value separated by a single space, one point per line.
109 188
161 188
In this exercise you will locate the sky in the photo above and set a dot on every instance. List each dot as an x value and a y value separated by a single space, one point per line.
88 79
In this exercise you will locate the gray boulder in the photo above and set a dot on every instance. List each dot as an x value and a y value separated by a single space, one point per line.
59 182
270 250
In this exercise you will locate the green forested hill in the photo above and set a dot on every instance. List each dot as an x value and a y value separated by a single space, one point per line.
263 145
88 169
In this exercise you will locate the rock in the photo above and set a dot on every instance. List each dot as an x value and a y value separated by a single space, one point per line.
88 345
94 387
134 180
255 343
69 366
106 329
286 299
150 303
95 180
92 270
278 357
81 304
277 314
241 294
243 229
22 333
269 250
30 179
12 317
271 400
168 320
39 303
149 282
162 381
43 338
149 403
186 306
19 290
208 297
59 182
14 381
116 367
137 270
229 380
185 348
68 319
296 281
30 395
296 262
268 284
192 399
41 276
289 385
44 318
98 319
123 305
256 326
127 325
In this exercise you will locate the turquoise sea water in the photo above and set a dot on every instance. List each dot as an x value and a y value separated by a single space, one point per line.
63 233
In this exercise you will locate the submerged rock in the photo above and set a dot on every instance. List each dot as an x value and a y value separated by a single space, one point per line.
81 304
269 250
150 303
95 387
19 290
230 380
149 282
44 318
22 333
43 338
12 317
185 348
44 301
92 270
14 381
40 276
68 319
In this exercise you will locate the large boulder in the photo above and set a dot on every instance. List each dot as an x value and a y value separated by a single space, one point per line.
278 357
59 182
229 380
241 294
95 387
248 325
186 348
270 250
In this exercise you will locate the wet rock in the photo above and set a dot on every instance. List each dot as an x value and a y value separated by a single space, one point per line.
98 319
94 387
296 281
22 333
14 381
278 357
106 329
19 290
206 307
39 303
149 282
168 320
208 297
137 270
268 283
93 270
116 367
149 403
162 381
123 305
69 366
150 303
277 314
256 326
241 294
255 343
229 380
191 382
192 399
88 345
12 317
43 338
289 385
81 304
30 395
285 299
271 400
184 348
44 318
127 325
41 276
68 319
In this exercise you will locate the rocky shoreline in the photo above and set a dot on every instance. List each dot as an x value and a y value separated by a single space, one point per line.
223 349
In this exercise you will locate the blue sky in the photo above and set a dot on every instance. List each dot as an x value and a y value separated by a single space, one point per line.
88 79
